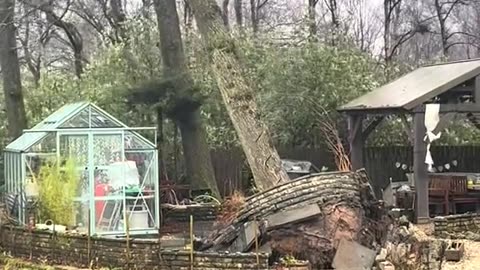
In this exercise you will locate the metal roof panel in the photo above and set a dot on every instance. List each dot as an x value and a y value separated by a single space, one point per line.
416 87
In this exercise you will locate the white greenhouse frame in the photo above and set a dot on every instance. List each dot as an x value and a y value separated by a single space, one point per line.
90 128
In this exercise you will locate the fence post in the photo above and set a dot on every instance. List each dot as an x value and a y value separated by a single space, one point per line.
191 242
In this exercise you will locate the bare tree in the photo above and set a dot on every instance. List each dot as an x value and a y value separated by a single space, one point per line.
97 14
256 7
12 85
332 8
397 32
238 5
312 17
118 18
33 37
238 96
362 24
392 9
468 16
74 37
443 11
225 13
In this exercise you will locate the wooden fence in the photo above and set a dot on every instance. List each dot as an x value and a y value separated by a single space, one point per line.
232 172
381 163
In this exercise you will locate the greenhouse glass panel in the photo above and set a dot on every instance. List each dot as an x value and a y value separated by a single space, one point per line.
8 181
74 146
136 141
107 149
47 144
91 117
17 179
142 200
15 173
81 215
102 119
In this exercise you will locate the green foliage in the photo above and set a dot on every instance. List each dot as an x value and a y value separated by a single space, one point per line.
327 76
111 73
58 187
460 132
284 78
390 132
288 260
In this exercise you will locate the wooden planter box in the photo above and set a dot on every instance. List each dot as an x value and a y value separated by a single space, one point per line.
454 251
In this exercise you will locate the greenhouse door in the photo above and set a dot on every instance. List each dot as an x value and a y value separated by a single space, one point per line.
118 181
108 182
75 146
94 153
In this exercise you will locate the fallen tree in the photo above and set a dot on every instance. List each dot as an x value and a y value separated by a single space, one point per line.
306 218
238 95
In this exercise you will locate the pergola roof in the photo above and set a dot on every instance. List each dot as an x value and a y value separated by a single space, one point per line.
416 87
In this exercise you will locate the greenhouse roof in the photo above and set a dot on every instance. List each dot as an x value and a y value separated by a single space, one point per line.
76 115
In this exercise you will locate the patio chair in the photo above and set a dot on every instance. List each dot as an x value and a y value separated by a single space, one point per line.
438 193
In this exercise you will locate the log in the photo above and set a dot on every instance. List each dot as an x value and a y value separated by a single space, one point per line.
238 96
323 189
309 217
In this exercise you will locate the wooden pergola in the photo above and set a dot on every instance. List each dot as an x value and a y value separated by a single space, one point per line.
454 85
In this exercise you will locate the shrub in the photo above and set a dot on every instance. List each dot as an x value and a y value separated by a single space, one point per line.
58 186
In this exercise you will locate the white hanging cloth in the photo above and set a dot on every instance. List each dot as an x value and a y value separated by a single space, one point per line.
432 118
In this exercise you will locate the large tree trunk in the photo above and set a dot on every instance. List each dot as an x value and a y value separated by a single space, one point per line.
186 111
238 96
312 19
443 30
254 16
238 13
225 18
347 209
119 17
12 85
333 9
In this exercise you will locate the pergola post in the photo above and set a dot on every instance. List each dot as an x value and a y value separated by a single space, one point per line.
356 140
476 91
420 172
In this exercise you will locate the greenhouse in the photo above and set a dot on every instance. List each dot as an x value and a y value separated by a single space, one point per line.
114 171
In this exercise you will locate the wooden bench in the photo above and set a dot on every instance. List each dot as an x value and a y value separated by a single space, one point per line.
459 193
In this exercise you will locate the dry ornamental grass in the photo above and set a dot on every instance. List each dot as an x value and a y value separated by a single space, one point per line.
230 208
